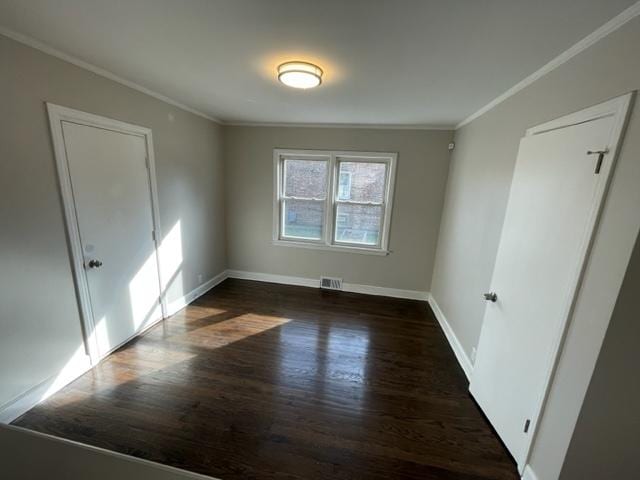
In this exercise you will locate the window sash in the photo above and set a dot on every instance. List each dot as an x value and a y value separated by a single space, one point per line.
281 232
376 245
283 179
382 204
283 197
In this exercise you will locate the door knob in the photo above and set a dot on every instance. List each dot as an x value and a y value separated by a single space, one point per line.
491 297
95 263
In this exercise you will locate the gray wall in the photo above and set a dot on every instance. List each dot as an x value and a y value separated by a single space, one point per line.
39 319
610 409
423 162
478 186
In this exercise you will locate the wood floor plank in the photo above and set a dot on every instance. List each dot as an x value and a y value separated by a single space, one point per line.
265 381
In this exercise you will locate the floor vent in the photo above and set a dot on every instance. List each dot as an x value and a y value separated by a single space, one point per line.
331 283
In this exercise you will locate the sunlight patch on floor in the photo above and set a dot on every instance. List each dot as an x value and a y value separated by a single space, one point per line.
232 330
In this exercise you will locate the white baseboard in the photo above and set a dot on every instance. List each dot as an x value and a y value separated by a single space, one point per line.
385 291
179 303
32 397
271 278
315 283
528 473
456 346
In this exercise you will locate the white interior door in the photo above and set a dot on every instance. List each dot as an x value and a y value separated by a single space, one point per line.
109 177
553 206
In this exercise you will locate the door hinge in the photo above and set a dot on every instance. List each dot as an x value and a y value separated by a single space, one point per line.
146 161
527 424
601 154
153 235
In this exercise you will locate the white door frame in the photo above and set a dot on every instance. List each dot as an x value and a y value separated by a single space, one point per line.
57 115
619 108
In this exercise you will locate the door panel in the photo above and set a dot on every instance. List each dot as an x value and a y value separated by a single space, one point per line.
112 199
548 222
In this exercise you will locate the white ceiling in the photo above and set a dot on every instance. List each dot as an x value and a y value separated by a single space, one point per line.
387 62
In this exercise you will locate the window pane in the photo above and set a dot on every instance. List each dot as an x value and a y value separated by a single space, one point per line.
305 178
365 181
358 224
344 186
303 219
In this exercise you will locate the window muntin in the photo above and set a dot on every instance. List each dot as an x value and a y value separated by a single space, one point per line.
333 200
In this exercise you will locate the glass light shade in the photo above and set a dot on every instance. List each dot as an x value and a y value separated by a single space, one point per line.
300 74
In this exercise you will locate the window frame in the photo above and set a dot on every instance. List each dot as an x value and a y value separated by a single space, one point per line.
333 159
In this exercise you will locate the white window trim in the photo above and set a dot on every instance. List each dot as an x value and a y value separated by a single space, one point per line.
333 158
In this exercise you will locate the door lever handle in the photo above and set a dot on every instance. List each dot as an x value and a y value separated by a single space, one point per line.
491 297
94 263
601 154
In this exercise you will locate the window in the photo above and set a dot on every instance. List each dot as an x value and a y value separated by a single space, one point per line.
333 200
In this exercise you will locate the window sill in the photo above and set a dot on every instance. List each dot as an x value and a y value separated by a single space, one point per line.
331 248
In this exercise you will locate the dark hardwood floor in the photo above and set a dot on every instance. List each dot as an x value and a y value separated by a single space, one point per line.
264 381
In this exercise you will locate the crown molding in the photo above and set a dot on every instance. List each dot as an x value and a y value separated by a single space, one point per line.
375 126
43 47
611 26
49 50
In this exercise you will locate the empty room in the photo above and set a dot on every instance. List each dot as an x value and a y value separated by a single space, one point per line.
319 239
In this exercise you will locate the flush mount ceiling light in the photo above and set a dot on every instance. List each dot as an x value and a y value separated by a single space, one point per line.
300 74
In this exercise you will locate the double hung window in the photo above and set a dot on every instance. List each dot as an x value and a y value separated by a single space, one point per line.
333 200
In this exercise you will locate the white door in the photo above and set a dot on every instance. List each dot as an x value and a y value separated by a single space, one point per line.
551 213
112 197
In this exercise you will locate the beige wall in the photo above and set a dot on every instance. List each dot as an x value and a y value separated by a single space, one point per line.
605 442
478 185
39 320
423 161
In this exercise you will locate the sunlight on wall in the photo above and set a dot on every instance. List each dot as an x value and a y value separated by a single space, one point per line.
144 291
78 362
143 288
170 252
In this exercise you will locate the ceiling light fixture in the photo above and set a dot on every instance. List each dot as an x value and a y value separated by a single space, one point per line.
300 74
